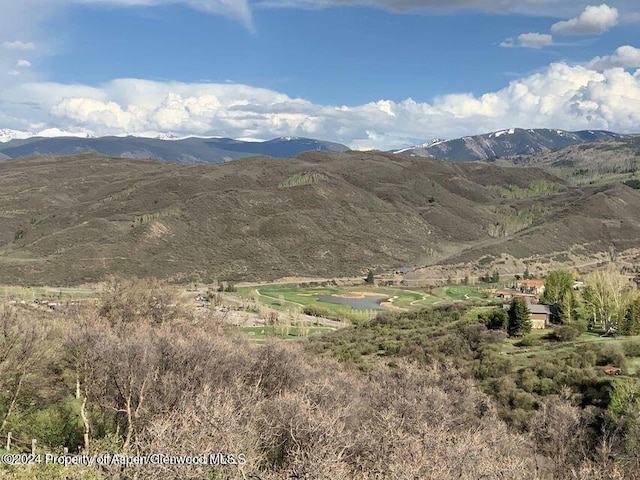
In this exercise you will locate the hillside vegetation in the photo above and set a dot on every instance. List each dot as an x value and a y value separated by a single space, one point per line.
428 394
68 220
588 164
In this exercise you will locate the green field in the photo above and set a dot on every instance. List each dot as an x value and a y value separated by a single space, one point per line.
281 296
453 293
539 347
293 297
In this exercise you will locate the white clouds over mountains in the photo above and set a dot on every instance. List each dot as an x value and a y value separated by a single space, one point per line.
562 96
604 93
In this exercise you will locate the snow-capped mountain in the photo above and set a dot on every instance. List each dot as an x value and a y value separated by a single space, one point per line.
168 148
422 146
512 141
7 134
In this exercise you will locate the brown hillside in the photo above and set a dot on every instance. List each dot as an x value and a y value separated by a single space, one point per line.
587 164
70 220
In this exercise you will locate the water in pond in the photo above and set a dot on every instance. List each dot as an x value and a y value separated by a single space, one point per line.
364 303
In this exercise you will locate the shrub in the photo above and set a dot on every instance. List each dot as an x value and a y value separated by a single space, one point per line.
611 355
634 183
631 348
563 333
497 319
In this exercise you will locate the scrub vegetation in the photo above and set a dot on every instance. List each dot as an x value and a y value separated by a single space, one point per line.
433 393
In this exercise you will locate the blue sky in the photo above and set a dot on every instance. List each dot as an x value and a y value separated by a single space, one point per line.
359 72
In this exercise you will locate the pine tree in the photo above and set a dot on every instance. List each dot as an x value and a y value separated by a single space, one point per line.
519 318
630 324
370 278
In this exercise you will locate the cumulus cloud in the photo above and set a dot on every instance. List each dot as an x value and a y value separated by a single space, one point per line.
18 45
592 96
529 40
23 64
624 57
594 20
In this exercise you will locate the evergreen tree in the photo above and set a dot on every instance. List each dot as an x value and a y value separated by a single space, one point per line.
630 324
519 318
370 278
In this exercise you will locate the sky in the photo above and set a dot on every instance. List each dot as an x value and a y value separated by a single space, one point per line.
370 74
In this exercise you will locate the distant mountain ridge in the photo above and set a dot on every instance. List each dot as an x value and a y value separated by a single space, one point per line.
510 142
186 150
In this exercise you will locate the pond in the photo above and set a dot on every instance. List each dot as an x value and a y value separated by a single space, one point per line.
369 302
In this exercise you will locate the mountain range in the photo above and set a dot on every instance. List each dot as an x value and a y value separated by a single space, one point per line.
187 150
489 146
514 141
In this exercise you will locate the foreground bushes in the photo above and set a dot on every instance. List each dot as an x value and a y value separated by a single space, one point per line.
146 383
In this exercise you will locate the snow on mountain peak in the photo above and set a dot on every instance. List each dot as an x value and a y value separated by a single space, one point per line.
7 134
511 131
431 143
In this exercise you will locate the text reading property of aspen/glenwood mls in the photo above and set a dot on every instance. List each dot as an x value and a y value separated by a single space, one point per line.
217 458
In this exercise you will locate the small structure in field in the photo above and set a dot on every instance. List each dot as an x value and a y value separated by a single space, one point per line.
509 293
540 316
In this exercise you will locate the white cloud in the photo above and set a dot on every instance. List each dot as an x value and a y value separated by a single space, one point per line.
18 45
624 57
23 64
590 96
529 40
594 20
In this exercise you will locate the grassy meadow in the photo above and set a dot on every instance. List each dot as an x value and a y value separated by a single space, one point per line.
293 297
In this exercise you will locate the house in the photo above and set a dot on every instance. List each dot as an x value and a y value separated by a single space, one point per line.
508 294
535 287
540 316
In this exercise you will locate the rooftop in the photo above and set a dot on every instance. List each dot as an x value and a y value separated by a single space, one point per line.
539 308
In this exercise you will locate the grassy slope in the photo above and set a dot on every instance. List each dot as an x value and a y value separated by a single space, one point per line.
597 163
77 219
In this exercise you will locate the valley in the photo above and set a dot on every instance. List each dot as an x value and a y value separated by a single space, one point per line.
71 220
292 302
